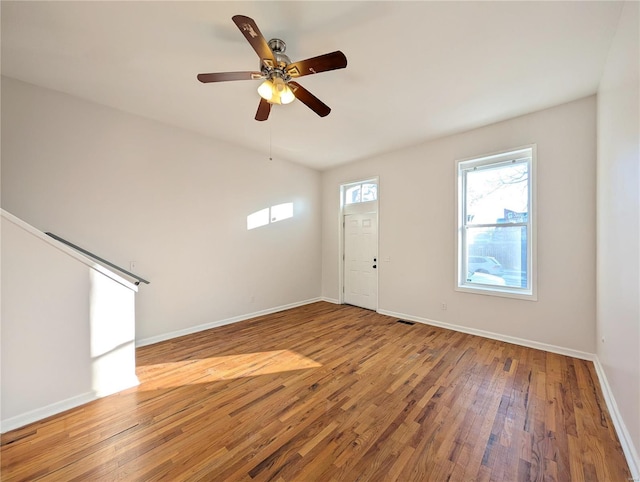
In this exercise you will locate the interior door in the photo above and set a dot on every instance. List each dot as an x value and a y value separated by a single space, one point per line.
361 260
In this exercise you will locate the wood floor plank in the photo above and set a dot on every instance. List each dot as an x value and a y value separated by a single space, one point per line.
328 392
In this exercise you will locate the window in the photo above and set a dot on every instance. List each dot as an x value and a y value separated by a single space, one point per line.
361 192
496 242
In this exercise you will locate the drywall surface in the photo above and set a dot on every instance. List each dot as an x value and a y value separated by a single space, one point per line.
67 329
417 228
175 202
618 312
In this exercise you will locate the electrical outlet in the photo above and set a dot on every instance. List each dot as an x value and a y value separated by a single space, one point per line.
443 306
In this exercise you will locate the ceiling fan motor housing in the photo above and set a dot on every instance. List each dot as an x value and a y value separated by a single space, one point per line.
278 47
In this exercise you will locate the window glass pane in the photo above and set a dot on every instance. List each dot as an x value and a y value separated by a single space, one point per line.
497 194
497 256
369 192
352 195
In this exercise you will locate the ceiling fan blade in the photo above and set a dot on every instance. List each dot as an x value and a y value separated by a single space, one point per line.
322 63
310 100
263 110
225 76
253 35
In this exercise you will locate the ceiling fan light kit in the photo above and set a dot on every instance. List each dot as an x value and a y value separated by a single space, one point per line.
277 71
276 91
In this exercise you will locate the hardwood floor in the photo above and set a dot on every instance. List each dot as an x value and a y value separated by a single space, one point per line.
326 392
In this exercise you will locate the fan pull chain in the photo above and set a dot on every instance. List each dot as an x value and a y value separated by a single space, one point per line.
270 142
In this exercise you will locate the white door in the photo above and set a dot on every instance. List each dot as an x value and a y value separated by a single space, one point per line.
361 260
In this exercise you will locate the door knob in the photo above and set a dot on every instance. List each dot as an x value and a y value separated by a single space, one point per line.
375 265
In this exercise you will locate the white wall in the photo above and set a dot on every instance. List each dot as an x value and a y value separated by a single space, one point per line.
67 327
131 189
618 305
417 228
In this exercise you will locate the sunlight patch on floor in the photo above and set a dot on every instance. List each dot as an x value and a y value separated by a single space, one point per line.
229 367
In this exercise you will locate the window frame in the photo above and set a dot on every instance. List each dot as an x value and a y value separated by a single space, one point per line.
463 165
344 188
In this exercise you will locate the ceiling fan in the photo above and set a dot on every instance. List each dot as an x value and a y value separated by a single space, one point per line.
277 71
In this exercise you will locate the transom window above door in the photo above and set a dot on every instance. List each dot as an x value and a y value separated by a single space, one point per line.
361 192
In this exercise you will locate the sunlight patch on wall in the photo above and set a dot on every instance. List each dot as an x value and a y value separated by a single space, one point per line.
207 370
112 344
281 211
269 215
257 219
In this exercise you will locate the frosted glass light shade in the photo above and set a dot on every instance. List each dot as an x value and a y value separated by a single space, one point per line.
266 90
276 91
286 97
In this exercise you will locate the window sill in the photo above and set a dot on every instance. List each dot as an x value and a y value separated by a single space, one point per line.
500 292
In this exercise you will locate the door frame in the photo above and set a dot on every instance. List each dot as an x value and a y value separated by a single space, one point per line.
370 207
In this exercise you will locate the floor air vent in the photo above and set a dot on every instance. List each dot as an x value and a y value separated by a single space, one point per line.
405 322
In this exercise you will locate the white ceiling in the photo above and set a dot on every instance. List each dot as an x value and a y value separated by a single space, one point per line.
416 70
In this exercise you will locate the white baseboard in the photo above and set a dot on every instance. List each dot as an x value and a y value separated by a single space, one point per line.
628 447
63 405
495 336
122 384
330 300
215 324
44 412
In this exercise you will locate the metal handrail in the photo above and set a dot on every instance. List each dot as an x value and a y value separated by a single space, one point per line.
96 257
